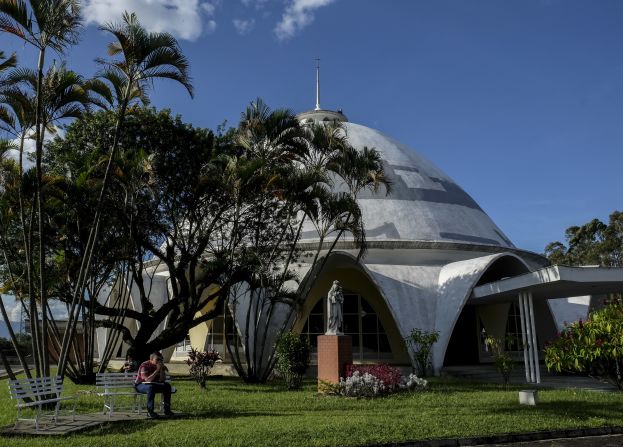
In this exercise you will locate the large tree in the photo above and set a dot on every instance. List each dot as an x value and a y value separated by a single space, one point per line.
44 25
594 243
137 59
165 204
305 173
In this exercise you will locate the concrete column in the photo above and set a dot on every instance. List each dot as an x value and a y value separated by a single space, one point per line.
535 346
529 330
524 339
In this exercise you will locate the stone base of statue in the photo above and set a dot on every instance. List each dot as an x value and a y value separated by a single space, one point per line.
334 353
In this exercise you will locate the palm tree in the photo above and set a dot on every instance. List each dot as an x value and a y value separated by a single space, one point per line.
7 124
295 169
43 24
143 57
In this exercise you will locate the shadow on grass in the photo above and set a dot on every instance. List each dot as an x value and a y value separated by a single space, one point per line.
564 408
258 389
128 427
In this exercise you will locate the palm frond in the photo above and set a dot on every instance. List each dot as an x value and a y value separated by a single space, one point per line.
14 19
143 57
9 62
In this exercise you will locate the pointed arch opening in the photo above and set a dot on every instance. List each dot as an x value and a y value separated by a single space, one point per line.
367 319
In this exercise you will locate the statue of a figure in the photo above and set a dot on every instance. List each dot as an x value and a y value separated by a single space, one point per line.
335 299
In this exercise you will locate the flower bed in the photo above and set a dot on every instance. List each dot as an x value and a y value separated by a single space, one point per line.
374 380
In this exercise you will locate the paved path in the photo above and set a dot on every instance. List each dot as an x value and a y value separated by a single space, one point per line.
488 374
591 441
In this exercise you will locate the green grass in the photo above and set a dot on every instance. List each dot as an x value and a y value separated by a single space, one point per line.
231 413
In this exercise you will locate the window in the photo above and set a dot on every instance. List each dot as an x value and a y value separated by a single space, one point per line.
223 329
361 322
513 329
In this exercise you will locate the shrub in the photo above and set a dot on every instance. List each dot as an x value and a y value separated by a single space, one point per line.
389 375
200 364
361 385
292 358
503 362
372 381
421 343
591 347
412 382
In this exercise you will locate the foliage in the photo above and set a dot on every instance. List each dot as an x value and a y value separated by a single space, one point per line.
388 375
421 343
594 346
200 364
294 168
372 381
167 179
292 353
361 385
594 243
43 25
503 361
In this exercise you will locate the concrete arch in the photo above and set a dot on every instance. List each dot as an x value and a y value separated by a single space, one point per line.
455 284
356 277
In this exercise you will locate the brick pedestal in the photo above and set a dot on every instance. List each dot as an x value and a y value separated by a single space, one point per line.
334 352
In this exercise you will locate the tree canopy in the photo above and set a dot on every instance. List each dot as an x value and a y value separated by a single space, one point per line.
594 243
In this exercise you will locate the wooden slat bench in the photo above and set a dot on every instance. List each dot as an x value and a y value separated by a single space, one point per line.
113 385
39 392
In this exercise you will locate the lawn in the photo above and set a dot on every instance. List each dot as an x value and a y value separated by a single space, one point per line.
231 413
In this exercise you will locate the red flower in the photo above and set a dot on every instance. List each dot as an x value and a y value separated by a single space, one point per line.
599 342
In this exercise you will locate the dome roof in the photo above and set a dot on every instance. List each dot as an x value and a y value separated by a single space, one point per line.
424 204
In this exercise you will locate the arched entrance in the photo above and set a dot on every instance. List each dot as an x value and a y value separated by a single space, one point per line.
361 322
367 318
500 319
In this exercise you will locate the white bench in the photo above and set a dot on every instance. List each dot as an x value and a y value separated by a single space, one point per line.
110 386
39 392
113 385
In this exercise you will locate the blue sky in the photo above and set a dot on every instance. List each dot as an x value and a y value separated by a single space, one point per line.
521 102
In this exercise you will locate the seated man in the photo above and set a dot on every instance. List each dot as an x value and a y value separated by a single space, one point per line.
151 380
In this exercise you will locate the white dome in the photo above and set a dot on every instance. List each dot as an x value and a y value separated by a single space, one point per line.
425 204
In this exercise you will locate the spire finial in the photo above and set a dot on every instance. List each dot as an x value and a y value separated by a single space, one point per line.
317 84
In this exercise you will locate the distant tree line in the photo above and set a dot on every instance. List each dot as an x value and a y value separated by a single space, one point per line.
594 243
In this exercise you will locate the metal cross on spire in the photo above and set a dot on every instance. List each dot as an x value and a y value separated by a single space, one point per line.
317 84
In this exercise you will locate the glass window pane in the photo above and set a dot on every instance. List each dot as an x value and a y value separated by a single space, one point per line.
319 308
384 343
368 324
316 324
365 306
350 304
370 345
351 324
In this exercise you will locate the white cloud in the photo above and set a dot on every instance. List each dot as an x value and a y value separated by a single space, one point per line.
210 26
259 4
298 15
30 146
244 26
182 18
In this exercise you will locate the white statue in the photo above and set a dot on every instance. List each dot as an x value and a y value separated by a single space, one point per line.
335 299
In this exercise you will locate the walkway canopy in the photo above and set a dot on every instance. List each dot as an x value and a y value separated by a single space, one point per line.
546 283
552 282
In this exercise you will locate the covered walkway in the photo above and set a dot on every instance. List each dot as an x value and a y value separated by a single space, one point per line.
546 283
